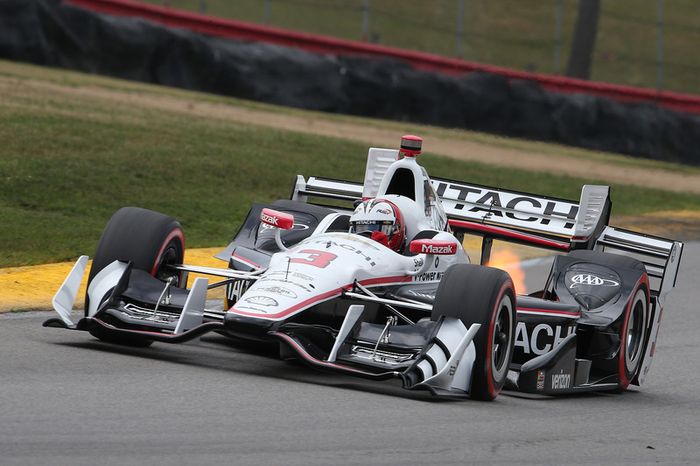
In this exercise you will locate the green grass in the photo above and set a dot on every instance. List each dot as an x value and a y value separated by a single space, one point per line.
512 33
67 162
73 79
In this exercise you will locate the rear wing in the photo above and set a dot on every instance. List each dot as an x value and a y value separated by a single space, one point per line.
530 219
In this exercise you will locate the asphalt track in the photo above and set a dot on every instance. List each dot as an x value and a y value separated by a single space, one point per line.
68 399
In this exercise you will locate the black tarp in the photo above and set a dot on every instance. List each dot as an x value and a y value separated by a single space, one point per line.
47 32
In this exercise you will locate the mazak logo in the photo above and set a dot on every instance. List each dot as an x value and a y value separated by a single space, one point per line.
588 279
269 219
433 249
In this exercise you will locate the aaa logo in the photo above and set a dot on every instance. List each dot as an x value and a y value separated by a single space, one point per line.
591 280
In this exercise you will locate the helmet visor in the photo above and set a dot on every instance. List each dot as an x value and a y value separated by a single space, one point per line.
360 228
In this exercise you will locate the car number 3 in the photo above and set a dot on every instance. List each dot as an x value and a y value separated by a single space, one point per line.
319 259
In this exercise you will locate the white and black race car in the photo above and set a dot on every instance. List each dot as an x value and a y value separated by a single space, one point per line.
424 314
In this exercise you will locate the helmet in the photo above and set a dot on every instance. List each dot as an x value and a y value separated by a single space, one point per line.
380 220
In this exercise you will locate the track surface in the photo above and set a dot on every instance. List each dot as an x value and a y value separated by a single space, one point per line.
69 399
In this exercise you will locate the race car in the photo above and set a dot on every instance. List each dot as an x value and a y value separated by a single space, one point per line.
377 284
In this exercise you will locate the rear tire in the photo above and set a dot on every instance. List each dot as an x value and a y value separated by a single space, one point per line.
150 241
633 334
482 295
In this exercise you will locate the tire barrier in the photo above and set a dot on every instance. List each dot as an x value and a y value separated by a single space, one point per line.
254 32
47 32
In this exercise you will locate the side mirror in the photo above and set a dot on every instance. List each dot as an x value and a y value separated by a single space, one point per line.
435 247
281 220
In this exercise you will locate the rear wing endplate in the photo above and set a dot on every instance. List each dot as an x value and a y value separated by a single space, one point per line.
660 256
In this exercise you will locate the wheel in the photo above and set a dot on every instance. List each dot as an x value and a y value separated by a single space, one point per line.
150 240
633 334
482 295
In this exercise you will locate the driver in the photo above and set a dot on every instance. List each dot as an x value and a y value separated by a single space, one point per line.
381 221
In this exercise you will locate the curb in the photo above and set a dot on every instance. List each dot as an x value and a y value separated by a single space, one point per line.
31 288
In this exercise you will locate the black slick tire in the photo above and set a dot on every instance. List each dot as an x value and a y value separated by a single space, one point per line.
482 295
147 239
633 333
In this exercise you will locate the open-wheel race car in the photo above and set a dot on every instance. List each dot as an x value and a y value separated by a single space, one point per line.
383 288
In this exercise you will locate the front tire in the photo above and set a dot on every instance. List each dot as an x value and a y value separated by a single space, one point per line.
150 241
482 295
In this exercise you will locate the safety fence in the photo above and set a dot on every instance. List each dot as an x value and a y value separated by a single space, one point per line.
424 61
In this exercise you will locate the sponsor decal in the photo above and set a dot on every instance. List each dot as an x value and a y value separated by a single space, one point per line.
285 282
543 338
508 205
287 293
453 369
235 290
366 242
302 276
348 247
359 252
418 263
298 275
269 219
262 301
561 381
428 277
281 220
588 279
434 249
540 380
427 246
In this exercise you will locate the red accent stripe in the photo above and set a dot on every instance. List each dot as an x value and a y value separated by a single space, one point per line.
550 311
323 44
177 233
383 280
506 233
245 260
490 385
624 381
322 297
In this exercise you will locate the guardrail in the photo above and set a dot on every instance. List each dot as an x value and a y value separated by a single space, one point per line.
323 44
